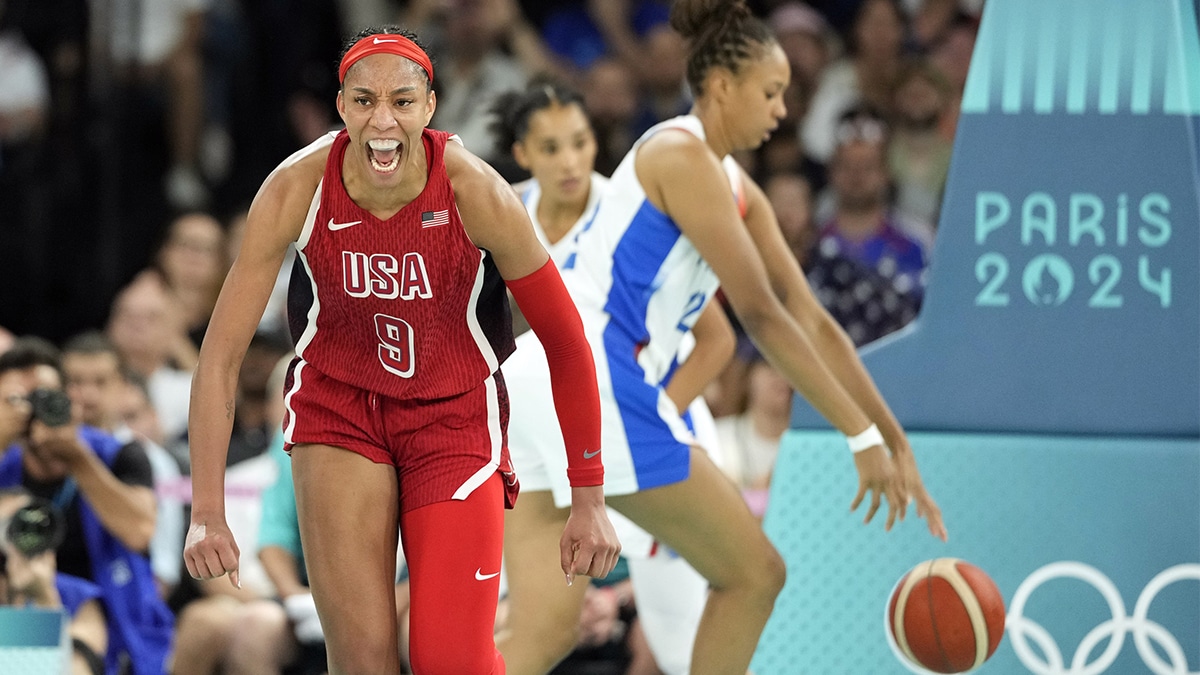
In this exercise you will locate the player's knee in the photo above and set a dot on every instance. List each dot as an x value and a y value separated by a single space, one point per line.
776 572
761 574
453 659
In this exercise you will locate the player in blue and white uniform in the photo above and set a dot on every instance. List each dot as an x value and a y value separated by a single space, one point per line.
666 233
548 132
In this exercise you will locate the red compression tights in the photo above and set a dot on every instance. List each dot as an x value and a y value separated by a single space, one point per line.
453 550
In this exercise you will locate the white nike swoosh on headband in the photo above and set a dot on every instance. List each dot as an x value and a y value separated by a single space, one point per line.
378 41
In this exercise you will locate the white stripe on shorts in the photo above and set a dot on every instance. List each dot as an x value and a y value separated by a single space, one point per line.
493 422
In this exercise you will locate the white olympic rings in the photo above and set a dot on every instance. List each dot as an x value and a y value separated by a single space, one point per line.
1021 629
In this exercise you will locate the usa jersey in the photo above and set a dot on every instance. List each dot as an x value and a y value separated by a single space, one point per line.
406 307
639 283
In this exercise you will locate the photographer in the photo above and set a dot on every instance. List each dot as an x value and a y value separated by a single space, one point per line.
30 530
96 385
105 492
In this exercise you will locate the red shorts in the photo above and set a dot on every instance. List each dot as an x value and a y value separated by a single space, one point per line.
442 449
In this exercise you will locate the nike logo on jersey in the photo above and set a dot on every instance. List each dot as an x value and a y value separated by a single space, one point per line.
379 42
480 576
341 226
588 454
510 477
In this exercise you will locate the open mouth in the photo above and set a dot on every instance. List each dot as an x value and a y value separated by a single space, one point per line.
384 155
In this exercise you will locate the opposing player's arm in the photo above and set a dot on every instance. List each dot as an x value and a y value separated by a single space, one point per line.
275 220
832 343
830 340
682 177
715 343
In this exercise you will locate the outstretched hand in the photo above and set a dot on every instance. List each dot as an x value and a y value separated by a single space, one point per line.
210 551
877 474
928 509
589 543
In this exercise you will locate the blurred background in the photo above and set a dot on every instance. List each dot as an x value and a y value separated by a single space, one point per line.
119 116
135 133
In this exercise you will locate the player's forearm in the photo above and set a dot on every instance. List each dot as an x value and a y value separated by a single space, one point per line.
843 361
692 376
791 351
715 344
210 422
555 321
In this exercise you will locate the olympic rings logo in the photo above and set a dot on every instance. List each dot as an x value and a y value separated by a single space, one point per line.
1021 629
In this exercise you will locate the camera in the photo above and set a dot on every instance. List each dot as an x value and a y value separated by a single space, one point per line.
35 528
50 407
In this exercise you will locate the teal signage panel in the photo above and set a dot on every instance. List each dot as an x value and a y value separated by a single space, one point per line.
33 641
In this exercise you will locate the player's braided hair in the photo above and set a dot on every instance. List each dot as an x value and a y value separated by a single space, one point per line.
511 111
722 33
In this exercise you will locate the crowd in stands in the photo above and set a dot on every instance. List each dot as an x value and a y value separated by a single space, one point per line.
134 132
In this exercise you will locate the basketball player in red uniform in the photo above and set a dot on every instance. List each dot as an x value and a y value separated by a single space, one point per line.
396 410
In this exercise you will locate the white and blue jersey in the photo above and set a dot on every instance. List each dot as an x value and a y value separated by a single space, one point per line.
639 285
560 251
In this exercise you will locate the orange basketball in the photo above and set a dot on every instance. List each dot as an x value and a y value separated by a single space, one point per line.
946 615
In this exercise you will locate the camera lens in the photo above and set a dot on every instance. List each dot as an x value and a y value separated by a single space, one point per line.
36 528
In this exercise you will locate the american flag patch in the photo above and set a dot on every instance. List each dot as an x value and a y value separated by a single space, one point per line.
435 218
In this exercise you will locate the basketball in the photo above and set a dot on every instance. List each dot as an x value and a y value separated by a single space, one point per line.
946 615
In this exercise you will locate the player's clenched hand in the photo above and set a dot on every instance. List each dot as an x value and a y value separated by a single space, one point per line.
589 543
878 476
210 551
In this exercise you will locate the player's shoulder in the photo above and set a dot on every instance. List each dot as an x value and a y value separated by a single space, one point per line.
459 160
302 171
470 175
672 155
675 138
671 146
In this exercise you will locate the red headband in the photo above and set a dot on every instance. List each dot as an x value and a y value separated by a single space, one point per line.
385 43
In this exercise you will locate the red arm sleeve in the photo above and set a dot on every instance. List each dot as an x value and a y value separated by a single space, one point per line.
552 315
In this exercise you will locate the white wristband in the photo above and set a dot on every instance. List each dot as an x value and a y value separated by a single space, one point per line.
867 439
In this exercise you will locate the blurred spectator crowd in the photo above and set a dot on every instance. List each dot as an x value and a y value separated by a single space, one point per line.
133 134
